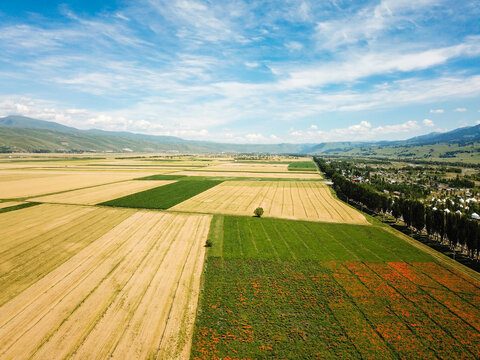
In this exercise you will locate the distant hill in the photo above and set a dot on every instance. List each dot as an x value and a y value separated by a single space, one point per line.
459 145
23 134
469 133
25 122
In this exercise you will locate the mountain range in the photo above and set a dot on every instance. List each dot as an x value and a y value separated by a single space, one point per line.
23 134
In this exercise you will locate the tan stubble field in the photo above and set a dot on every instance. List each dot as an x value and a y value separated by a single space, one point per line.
306 200
115 283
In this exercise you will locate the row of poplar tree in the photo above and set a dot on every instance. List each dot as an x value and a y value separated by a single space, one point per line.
457 229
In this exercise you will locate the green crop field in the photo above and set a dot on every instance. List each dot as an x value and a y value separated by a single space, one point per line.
289 289
163 197
302 166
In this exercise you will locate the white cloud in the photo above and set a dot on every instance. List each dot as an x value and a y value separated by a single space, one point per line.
369 22
198 21
255 137
294 46
252 64
436 111
357 132
428 122
373 63
460 109
314 127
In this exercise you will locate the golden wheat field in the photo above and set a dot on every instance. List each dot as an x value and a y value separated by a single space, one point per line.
101 193
267 175
90 283
18 184
9 203
266 168
284 199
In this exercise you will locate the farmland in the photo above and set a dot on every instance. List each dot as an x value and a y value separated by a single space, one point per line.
302 166
105 258
98 282
283 288
9 203
102 193
163 197
293 200
252 167
269 175
33 183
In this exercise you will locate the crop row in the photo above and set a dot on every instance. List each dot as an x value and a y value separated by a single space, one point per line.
253 308
268 238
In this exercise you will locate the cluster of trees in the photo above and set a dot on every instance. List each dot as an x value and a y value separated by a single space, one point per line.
358 192
412 191
455 228
460 183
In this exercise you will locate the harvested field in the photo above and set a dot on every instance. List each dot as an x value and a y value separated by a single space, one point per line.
267 168
31 183
96 282
22 205
286 175
330 291
101 193
9 203
292 200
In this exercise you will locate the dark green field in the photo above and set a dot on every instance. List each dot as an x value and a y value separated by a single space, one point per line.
163 197
302 166
285 289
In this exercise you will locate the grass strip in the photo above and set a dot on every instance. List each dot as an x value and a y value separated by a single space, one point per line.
18 207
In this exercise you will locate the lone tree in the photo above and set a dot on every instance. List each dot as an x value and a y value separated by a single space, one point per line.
258 212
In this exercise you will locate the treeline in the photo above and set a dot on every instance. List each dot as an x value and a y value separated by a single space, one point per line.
457 229
417 161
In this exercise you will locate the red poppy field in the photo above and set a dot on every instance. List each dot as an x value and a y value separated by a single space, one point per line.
359 292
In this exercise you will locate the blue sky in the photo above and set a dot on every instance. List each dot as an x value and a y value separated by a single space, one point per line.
244 71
